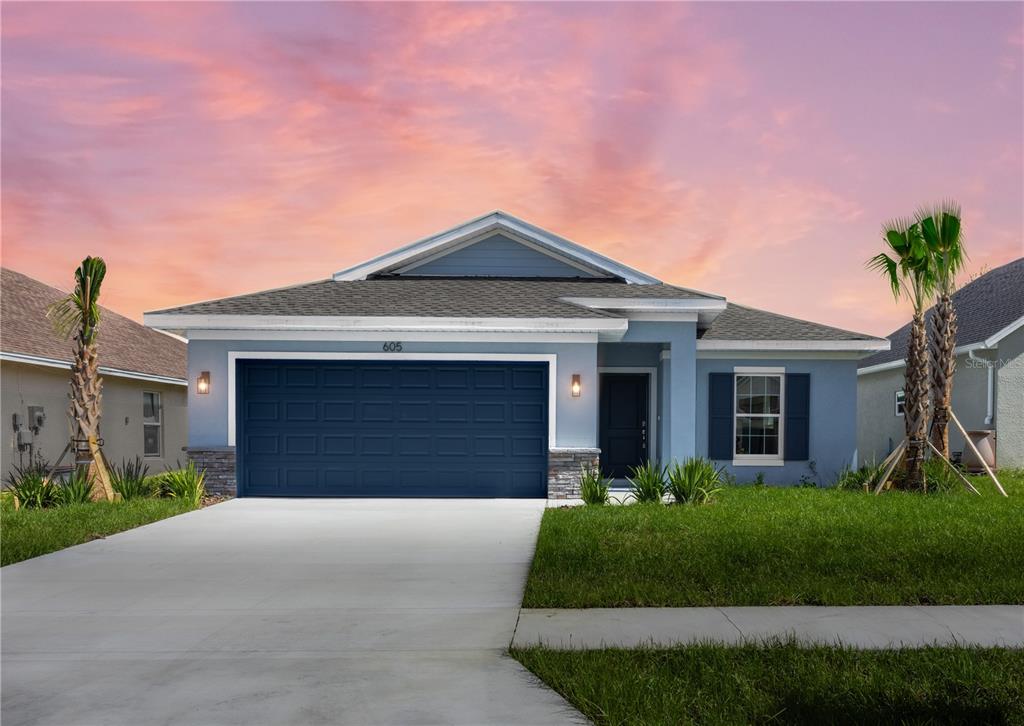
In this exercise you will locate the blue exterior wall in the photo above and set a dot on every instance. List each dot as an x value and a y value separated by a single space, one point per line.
833 420
576 420
677 381
498 256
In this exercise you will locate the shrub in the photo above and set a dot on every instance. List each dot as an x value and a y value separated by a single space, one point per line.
857 479
648 482
130 480
76 489
593 486
695 481
939 478
185 484
31 489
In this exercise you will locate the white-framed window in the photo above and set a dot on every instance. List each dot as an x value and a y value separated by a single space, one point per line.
152 424
758 416
900 399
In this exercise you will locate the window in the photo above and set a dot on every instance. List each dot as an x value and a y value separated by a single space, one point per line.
152 415
899 403
758 415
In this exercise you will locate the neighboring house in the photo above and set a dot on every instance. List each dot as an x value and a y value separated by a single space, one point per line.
144 385
988 386
494 360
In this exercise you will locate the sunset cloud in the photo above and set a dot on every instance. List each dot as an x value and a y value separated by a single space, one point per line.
752 150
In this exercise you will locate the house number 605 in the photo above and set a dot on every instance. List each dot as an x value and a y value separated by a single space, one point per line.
392 347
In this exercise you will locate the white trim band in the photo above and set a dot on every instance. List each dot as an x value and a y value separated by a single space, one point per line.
104 370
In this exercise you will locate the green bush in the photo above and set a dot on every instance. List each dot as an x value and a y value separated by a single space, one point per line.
76 489
940 479
130 480
695 481
30 487
593 486
648 482
185 484
857 479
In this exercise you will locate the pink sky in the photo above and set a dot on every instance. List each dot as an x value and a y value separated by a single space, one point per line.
751 150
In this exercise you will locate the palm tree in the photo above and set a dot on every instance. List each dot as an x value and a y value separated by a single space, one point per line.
943 236
909 273
78 314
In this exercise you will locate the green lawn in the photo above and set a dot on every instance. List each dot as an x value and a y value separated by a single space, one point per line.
32 532
787 684
772 546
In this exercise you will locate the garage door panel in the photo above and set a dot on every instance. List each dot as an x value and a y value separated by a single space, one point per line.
416 429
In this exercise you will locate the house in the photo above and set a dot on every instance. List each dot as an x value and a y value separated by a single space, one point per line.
496 359
988 385
144 384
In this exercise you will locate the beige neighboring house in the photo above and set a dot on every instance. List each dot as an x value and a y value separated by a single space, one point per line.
144 383
988 386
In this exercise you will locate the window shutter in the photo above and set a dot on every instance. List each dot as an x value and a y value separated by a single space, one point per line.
720 407
797 433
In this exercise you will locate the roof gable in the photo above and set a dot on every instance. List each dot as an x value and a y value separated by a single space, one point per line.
431 250
124 345
987 309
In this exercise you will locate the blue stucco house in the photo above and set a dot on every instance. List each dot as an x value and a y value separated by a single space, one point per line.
495 359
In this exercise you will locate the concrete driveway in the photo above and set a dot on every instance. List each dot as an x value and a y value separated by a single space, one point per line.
260 611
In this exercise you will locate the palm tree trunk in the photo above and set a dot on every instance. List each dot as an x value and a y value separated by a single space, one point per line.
84 409
916 401
943 341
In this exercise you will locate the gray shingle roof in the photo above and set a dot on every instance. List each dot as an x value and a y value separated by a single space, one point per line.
738 322
470 297
983 308
123 343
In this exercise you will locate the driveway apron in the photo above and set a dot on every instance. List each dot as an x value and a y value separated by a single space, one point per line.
281 611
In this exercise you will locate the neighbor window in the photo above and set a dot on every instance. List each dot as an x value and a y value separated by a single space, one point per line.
152 415
899 403
758 415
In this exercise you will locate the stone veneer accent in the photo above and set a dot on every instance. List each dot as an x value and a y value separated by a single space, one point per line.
219 463
564 466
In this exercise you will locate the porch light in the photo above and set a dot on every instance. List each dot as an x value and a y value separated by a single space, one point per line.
576 385
203 382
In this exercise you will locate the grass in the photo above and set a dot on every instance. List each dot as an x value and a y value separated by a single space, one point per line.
783 683
793 546
29 533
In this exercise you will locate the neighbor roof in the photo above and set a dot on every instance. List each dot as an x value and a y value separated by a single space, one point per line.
738 322
124 345
984 307
447 297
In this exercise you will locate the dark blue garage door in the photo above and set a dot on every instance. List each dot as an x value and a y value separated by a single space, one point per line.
385 429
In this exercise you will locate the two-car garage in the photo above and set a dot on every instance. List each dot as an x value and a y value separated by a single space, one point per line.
381 428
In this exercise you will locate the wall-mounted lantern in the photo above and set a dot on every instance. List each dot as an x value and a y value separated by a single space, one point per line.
576 386
203 382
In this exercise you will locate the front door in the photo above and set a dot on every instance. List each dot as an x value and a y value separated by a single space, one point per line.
625 410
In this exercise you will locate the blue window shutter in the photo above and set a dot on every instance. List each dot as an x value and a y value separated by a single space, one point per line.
798 417
720 406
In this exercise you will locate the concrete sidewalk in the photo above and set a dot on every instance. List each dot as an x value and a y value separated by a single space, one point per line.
861 627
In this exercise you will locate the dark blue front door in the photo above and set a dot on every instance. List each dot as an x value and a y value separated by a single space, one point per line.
390 429
624 414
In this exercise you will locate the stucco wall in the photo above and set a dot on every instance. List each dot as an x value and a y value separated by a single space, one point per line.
1009 404
576 421
833 417
879 429
24 385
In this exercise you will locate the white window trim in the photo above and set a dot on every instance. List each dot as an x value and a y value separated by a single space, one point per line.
896 402
550 358
653 414
159 423
760 459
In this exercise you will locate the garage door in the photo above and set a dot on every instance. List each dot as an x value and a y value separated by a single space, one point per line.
384 429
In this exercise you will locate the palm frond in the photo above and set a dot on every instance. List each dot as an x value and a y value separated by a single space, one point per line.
66 315
889 269
942 231
80 310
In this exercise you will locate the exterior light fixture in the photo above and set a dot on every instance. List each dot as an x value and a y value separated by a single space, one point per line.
203 382
576 387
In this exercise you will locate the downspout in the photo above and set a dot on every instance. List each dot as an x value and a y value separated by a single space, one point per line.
990 369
